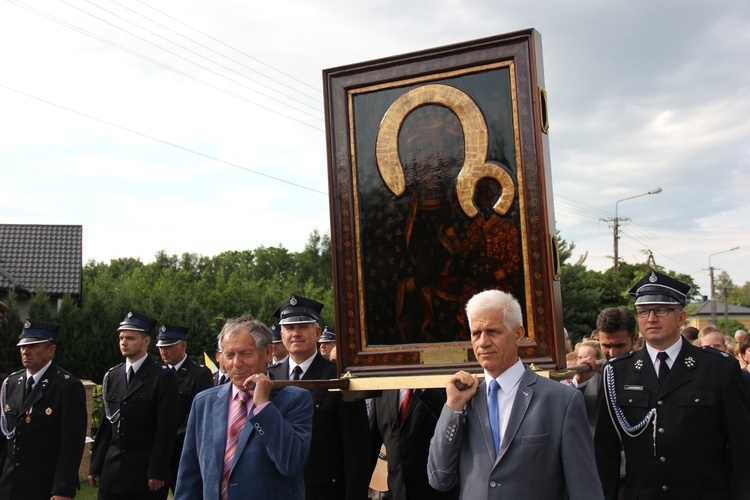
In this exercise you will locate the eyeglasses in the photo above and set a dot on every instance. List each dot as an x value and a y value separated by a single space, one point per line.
659 312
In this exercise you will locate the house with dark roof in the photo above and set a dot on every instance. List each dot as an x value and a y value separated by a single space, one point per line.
34 256
701 316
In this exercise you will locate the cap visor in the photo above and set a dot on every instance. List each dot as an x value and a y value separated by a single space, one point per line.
297 319
29 341
167 342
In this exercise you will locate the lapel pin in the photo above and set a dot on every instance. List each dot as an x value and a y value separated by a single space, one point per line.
48 411
638 365
689 362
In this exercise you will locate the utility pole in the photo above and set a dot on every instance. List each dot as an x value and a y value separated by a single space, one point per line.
712 321
616 224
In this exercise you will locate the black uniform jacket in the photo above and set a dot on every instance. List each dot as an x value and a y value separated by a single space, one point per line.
697 443
43 457
407 443
138 446
191 379
338 467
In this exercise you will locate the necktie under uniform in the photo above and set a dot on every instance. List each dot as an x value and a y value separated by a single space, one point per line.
236 424
297 373
131 375
662 356
29 388
493 414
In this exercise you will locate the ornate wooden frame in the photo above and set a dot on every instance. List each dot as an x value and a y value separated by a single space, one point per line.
440 187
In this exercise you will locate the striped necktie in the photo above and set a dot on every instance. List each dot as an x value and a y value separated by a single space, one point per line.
236 424
405 404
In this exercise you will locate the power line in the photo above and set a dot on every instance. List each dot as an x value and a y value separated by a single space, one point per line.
188 60
594 211
183 148
160 64
204 57
230 47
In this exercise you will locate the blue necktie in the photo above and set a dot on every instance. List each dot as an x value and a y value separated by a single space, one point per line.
494 387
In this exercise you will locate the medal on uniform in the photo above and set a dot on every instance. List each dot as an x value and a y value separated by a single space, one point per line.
28 419
48 411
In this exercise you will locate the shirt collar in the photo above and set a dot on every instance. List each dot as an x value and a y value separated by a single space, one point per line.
508 379
304 365
38 375
672 351
178 365
136 366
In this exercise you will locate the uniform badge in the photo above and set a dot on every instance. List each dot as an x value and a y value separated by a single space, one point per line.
652 278
48 411
28 419
638 365
7 407
130 314
27 324
689 362
633 387
293 300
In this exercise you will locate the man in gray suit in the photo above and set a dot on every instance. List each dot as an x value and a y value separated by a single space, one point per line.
535 445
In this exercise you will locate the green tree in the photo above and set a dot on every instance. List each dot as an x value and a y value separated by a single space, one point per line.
740 295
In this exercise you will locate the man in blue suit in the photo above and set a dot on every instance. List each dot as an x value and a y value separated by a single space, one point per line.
514 435
273 440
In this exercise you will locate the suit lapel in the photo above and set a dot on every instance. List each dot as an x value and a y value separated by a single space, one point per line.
37 393
479 401
282 372
392 405
680 371
520 405
220 415
136 384
645 371
315 370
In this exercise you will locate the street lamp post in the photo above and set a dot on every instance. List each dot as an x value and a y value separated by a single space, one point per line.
617 220
711 275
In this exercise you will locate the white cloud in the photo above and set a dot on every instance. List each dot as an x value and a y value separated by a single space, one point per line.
640 97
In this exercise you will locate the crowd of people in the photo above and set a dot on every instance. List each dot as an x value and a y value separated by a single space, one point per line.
641 413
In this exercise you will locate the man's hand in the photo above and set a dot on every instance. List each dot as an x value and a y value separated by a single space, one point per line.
263 386
155 484
457 399
591 363
94 480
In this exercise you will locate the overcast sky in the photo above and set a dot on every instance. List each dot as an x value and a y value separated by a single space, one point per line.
195 126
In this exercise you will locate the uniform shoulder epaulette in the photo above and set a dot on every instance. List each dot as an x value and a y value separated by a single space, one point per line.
63 373
622 356
17 372
717 352
115 367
